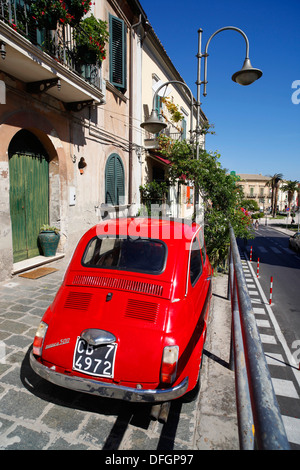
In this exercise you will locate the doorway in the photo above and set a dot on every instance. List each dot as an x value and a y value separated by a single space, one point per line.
29 193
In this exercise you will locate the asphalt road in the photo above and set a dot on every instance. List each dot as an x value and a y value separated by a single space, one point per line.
276 259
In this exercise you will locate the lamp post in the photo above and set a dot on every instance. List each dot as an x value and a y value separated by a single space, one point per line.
245 76
153 124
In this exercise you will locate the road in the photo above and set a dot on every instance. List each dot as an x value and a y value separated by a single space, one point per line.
278 323
276 259
37 415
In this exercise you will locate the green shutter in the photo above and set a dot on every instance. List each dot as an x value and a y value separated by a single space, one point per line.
114 181
117 52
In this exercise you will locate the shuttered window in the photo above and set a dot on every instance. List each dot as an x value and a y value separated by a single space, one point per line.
117 52
114 181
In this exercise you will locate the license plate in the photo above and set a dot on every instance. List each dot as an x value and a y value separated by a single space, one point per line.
98 361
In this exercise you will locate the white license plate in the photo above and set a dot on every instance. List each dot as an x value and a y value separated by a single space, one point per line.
98 361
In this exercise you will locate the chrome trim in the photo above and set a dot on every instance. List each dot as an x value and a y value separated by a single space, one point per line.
108 390
95 337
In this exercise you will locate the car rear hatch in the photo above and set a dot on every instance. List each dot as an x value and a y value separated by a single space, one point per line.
134 310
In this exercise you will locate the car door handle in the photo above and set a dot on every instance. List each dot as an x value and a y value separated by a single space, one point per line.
208 278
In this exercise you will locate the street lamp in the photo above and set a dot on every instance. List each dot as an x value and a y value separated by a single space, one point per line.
245 76
154 124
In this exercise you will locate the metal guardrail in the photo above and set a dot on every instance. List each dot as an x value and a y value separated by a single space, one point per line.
259 419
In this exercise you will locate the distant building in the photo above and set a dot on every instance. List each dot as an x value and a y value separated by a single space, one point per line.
254 187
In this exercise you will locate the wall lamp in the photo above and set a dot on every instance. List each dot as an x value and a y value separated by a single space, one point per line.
154 124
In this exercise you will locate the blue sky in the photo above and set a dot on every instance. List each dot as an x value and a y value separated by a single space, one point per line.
257 127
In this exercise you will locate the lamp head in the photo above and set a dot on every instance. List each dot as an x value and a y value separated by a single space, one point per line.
153 124
247 74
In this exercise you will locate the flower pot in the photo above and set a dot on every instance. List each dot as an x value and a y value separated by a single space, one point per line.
49 242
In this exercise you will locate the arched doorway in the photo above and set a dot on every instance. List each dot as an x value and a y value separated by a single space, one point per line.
29 193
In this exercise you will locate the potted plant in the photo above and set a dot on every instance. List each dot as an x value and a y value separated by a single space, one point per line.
90 38
47 17
49 238
77 9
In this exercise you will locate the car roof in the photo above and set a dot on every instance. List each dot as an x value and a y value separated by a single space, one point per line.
165 229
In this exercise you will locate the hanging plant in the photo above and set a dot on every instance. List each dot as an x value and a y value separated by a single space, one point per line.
77 9
90 37
176 115
47 15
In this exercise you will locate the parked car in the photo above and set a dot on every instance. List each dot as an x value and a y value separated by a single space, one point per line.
130 318
294 242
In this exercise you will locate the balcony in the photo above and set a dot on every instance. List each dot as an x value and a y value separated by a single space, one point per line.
45 60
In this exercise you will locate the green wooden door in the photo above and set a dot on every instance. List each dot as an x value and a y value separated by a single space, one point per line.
29 194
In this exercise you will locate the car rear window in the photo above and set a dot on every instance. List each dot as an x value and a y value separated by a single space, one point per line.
126 254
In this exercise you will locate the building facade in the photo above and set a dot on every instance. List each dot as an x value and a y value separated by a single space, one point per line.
158 70
255 187
72 151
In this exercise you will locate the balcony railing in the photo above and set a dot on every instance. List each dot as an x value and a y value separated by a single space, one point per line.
59 43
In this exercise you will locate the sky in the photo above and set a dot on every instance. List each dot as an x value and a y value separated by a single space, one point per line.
257 127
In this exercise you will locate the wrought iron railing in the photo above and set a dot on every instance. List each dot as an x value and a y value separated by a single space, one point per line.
59 43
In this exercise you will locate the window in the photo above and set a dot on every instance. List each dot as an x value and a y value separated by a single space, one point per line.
126 254
195 262
117 52
202 246
114 181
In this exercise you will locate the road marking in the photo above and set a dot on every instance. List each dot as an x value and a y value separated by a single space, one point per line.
262 249
263 323
253 292
292 428
275 250
256 301
285 388
268 339
277 329
275 359
250 285
259 311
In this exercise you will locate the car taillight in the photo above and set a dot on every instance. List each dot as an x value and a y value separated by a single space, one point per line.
39 338
169 364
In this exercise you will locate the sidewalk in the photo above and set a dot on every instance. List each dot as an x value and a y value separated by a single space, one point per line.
35 414
273 223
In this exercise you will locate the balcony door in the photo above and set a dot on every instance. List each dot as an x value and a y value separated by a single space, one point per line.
29 193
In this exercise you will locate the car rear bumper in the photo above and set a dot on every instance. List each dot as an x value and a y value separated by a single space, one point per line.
103 389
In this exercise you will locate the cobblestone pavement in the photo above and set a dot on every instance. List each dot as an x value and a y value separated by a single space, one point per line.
36 415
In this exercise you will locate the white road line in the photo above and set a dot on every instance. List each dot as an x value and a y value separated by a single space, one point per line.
263 323
262 249
284 388
253 292
256 301
292 429
259 311
275 359
277 329
250 285
268 339
275 250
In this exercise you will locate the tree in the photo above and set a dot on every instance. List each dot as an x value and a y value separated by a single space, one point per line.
273 183
221 195
290 187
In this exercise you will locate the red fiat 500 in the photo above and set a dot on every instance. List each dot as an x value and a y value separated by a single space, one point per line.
130 319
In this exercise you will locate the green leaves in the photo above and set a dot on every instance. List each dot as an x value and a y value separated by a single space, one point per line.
221 195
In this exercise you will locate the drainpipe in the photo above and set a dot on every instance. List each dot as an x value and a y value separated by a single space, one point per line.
131 146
